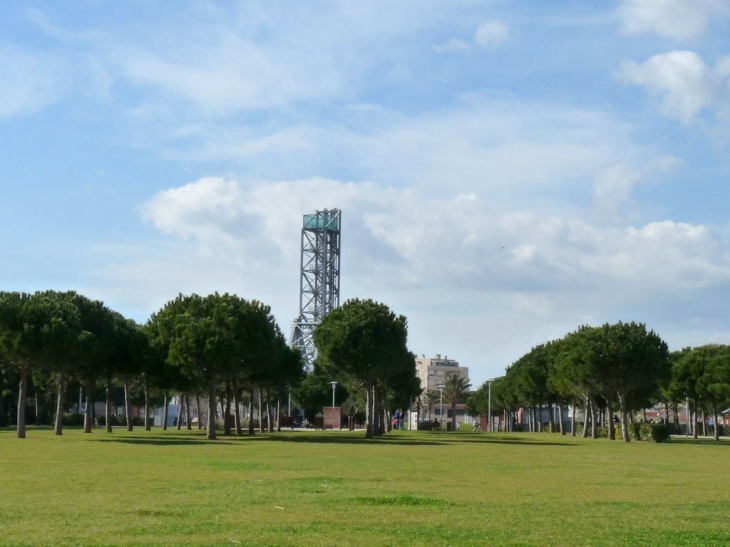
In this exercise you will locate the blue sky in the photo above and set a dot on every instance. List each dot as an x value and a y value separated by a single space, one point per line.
149 149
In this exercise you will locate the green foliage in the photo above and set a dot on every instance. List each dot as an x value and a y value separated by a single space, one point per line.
364 343
73 419
221 338
363 339
655 433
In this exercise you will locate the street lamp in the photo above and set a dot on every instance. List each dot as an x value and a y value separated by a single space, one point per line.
333 384
441 401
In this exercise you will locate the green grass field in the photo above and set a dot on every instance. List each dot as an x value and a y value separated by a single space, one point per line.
336 488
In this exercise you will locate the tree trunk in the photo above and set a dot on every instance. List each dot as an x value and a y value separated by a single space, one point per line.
594 423
716 425
128 404
188 422
704 424
165 410
369 432
108 406
88 416
624 418
251 429
560 416
261 411
453 415
269 414
22 390
227 410
237 407
586 419
212 403
197 410
611 427
666 413
572 418
376 412
695 433
278 415
178 425
147 424
551 416
675 411
37 407
58 425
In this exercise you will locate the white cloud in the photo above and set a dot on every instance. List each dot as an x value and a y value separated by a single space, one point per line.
488 35
458 257
679 19
683 81
491 34
613 186
453 45
477 144
462 238
253 56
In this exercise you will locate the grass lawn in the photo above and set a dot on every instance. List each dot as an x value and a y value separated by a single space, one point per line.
336 488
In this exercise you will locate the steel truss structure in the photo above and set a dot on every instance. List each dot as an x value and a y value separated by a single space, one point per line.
319 282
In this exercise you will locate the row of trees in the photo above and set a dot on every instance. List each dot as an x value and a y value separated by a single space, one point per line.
219 347
193 345
700 375
620 367
50 337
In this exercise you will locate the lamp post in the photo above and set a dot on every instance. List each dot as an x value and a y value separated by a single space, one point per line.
333 384
489 406
441 403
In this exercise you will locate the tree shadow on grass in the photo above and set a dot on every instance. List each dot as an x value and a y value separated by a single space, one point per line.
513 440
676 439
423 439
288 437
347 439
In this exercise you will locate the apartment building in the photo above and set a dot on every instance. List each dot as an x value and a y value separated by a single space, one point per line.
432 371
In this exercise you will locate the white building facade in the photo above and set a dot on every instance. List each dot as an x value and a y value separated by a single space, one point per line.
432 371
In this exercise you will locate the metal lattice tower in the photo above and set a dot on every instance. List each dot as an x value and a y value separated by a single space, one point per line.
319 283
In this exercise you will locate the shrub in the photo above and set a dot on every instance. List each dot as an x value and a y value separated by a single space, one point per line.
635 432
4 420
655 433
603 431
73 419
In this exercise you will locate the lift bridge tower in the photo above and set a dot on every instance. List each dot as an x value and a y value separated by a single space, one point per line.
319 282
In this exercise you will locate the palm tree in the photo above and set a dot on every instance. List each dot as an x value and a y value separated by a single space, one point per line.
456 390
430 398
